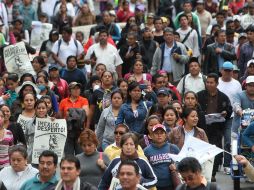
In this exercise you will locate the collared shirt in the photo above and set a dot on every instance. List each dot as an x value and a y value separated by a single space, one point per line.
35 183
212 104
194 84
167 66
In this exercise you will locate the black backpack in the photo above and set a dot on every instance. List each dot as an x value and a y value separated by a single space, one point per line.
75 122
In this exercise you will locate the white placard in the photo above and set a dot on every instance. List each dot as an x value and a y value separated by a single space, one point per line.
16 59
49 135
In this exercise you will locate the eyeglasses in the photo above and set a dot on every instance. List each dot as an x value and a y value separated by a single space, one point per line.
119 133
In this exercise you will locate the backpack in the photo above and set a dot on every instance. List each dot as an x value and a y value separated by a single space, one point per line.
210 186
59 44
75 122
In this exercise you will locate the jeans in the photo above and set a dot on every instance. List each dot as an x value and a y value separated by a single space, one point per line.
227 142
72 147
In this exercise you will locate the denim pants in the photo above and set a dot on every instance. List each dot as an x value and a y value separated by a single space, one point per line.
227 142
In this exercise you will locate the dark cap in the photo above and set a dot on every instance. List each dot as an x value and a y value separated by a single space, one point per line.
165 91
74 84
53 67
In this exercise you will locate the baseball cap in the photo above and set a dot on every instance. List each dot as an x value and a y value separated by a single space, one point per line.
250 62
140 7
163 91
200 2
150 15
51 67
74 84
241 35
249 79
235 68
227 66
159 126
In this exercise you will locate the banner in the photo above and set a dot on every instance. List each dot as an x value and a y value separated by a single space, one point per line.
49 135
40 32
16 59
24 121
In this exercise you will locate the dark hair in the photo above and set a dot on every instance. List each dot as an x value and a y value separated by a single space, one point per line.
49 153
67 29
190 92
24 76
126 136
193 60
18 148
40 60
39 102
187 2
119 81
44 78
156 110
103 31
182 15
156 76
250 28
229 22
23 97
129 163
13 77
107 72
170 108
176 33
44 73
52 32
80 32
217 33
70 57
72 159
215 25
230 32
214 76
187 112
124 126
220 13
116 92
148 120
131 86
132 34
189 164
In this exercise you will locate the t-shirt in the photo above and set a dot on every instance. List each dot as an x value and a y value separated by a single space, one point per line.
5 144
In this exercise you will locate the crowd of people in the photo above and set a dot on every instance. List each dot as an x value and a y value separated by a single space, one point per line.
143 82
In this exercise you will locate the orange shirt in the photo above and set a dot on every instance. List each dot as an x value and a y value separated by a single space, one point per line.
66 103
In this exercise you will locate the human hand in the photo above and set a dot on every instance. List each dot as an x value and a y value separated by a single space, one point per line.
172 167
176 56
218 50
6 96
239 112
224 113
101 164
241 159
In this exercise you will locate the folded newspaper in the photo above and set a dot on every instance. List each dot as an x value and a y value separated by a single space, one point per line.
214 118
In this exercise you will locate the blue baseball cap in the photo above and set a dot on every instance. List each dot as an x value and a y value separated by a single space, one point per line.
227 66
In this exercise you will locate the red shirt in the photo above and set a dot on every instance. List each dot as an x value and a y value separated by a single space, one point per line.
66 103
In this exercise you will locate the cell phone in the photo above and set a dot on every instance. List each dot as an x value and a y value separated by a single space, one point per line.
143 86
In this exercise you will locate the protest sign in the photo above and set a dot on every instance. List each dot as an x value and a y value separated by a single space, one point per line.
16 59
24 121
40 32
49 135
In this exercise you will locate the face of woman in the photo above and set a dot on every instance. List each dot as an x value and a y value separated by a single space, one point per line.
190 100
129 147
18 162
107 78
88 148
49 103
170 117
178 108
135 94
7 113
152 123
29 101
27 89
41 81
99 70
123 87
158 25
1 118
118 134
75 92
63 8
36 65
41 110
138 67
192 119
117 100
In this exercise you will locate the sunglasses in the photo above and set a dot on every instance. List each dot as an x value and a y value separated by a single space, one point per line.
118 133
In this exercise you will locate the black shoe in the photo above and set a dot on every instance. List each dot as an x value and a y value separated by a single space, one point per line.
213 179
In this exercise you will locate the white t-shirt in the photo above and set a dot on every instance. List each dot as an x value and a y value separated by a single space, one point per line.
230 88
47 6
109 56
67 49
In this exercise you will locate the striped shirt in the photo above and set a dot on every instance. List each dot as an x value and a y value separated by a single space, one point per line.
5 143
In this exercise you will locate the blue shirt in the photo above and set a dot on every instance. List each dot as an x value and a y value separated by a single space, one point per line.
248 135
36 184
220 58
167 66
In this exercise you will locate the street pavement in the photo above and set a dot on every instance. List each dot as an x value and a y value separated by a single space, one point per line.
226 183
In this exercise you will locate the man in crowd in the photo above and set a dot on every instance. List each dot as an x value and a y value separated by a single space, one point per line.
46 178
70 170
214 101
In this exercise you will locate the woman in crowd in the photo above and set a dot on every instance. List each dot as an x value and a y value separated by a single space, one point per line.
47 99
122 84
178 107
6 141
179 135
62 19
158 33
151 121
85 16
19 171
170 117
93 163
39 64
129 145
191 101
93 84
131 20
99 69
135 110
160 146
106 125
15 128
73 101
138 71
